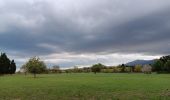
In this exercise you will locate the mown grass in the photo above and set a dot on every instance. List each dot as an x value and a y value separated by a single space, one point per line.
85 87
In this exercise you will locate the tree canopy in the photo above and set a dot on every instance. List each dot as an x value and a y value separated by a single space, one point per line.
162 64
35 66
158 65
6 65
167 66
97 67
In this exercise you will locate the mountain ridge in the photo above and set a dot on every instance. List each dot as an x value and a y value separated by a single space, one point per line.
140 62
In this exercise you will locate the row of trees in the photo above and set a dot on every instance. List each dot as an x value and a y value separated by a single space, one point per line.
161 65
97 68
121 68
36 66
7 66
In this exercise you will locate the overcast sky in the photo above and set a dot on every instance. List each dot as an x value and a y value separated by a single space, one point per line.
84 32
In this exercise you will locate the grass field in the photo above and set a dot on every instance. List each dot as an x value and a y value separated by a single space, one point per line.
85 87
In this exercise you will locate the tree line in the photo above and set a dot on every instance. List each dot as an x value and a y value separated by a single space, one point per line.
36 66
162 65
7 66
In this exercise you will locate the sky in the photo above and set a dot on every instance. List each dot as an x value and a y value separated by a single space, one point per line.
84 32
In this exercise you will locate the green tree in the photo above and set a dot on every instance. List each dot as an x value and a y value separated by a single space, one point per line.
138 68
97 68
4 64
164 59
123 67
158 65
12 67
167 66
35 66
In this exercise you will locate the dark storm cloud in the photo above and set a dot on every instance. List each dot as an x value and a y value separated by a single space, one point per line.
46 27
146 34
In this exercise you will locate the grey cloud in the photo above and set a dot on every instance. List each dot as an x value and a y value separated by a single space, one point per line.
85 26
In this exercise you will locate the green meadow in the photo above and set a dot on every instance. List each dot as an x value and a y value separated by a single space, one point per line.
86 86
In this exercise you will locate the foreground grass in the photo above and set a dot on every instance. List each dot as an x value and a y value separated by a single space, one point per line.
85 87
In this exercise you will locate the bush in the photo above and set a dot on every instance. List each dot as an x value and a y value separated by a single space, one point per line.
97 68
138 68
107 70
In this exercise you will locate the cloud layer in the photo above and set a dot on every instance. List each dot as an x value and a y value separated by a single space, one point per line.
84 27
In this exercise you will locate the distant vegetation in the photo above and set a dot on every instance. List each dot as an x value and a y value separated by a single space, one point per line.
97 68
161 65
36 66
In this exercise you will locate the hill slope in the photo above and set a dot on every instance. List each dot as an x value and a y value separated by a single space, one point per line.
140 62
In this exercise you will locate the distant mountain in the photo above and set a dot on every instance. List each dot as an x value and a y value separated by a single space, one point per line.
140 62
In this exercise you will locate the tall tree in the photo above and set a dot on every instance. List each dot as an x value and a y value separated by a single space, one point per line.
12 67
4 64
164 59
123 67
158 65
167 66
